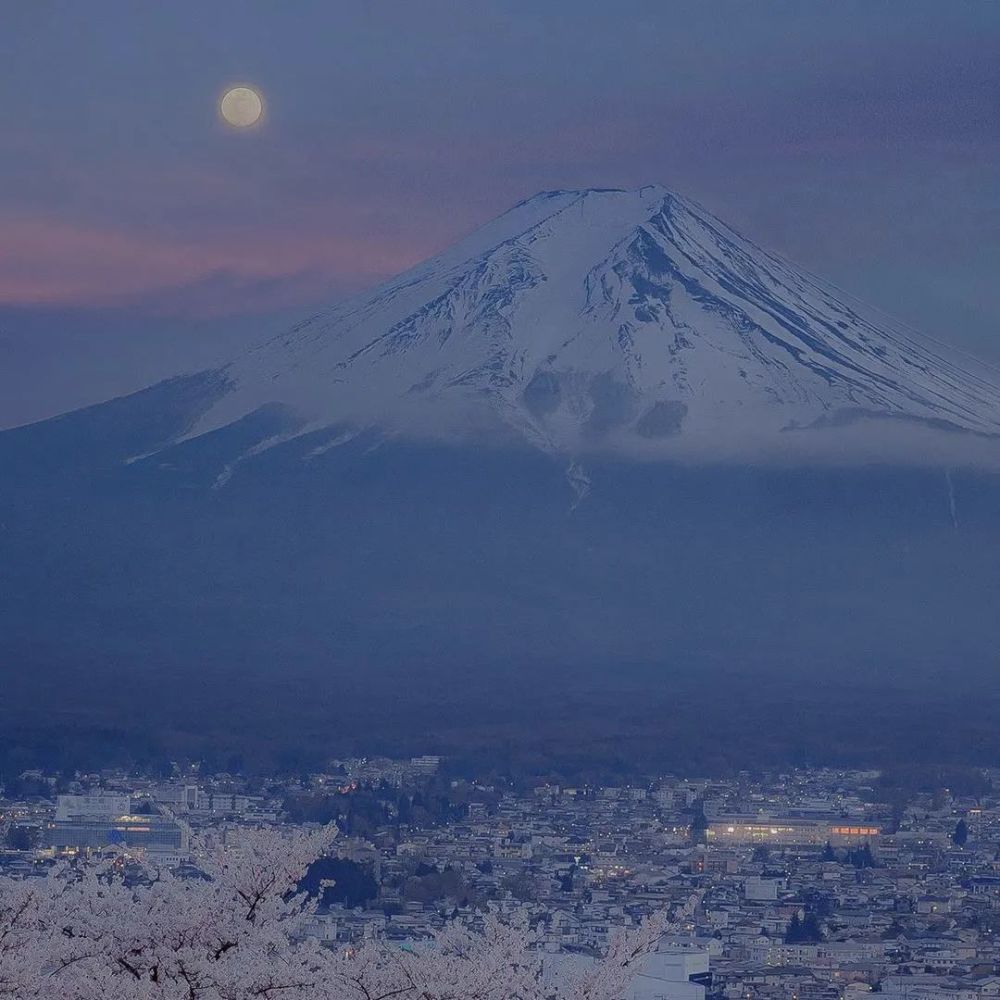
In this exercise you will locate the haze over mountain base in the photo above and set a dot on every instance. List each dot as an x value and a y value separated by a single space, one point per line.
429 595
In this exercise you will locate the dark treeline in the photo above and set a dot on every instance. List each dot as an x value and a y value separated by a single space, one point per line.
519 724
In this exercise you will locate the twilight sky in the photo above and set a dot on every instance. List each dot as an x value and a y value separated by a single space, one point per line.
140 236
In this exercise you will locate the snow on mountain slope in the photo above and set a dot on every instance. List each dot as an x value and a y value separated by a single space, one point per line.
626 320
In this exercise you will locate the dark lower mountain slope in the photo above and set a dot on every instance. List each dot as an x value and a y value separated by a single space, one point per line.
392 592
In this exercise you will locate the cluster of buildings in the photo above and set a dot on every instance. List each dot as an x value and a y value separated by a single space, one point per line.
801 886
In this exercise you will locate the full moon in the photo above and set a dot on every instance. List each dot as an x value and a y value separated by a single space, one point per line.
241 107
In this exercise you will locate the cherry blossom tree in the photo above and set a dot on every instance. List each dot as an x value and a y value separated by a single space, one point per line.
117 929
21 934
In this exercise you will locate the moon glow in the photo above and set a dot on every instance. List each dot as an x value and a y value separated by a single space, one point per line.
241 107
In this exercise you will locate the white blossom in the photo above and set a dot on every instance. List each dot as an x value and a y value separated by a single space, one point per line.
118 930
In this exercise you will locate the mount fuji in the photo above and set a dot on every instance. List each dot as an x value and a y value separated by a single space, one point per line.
603 429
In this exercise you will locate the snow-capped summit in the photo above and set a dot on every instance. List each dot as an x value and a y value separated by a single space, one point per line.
626 320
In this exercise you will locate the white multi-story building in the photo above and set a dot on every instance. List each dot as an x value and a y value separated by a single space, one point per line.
669 973
101 805
672 974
